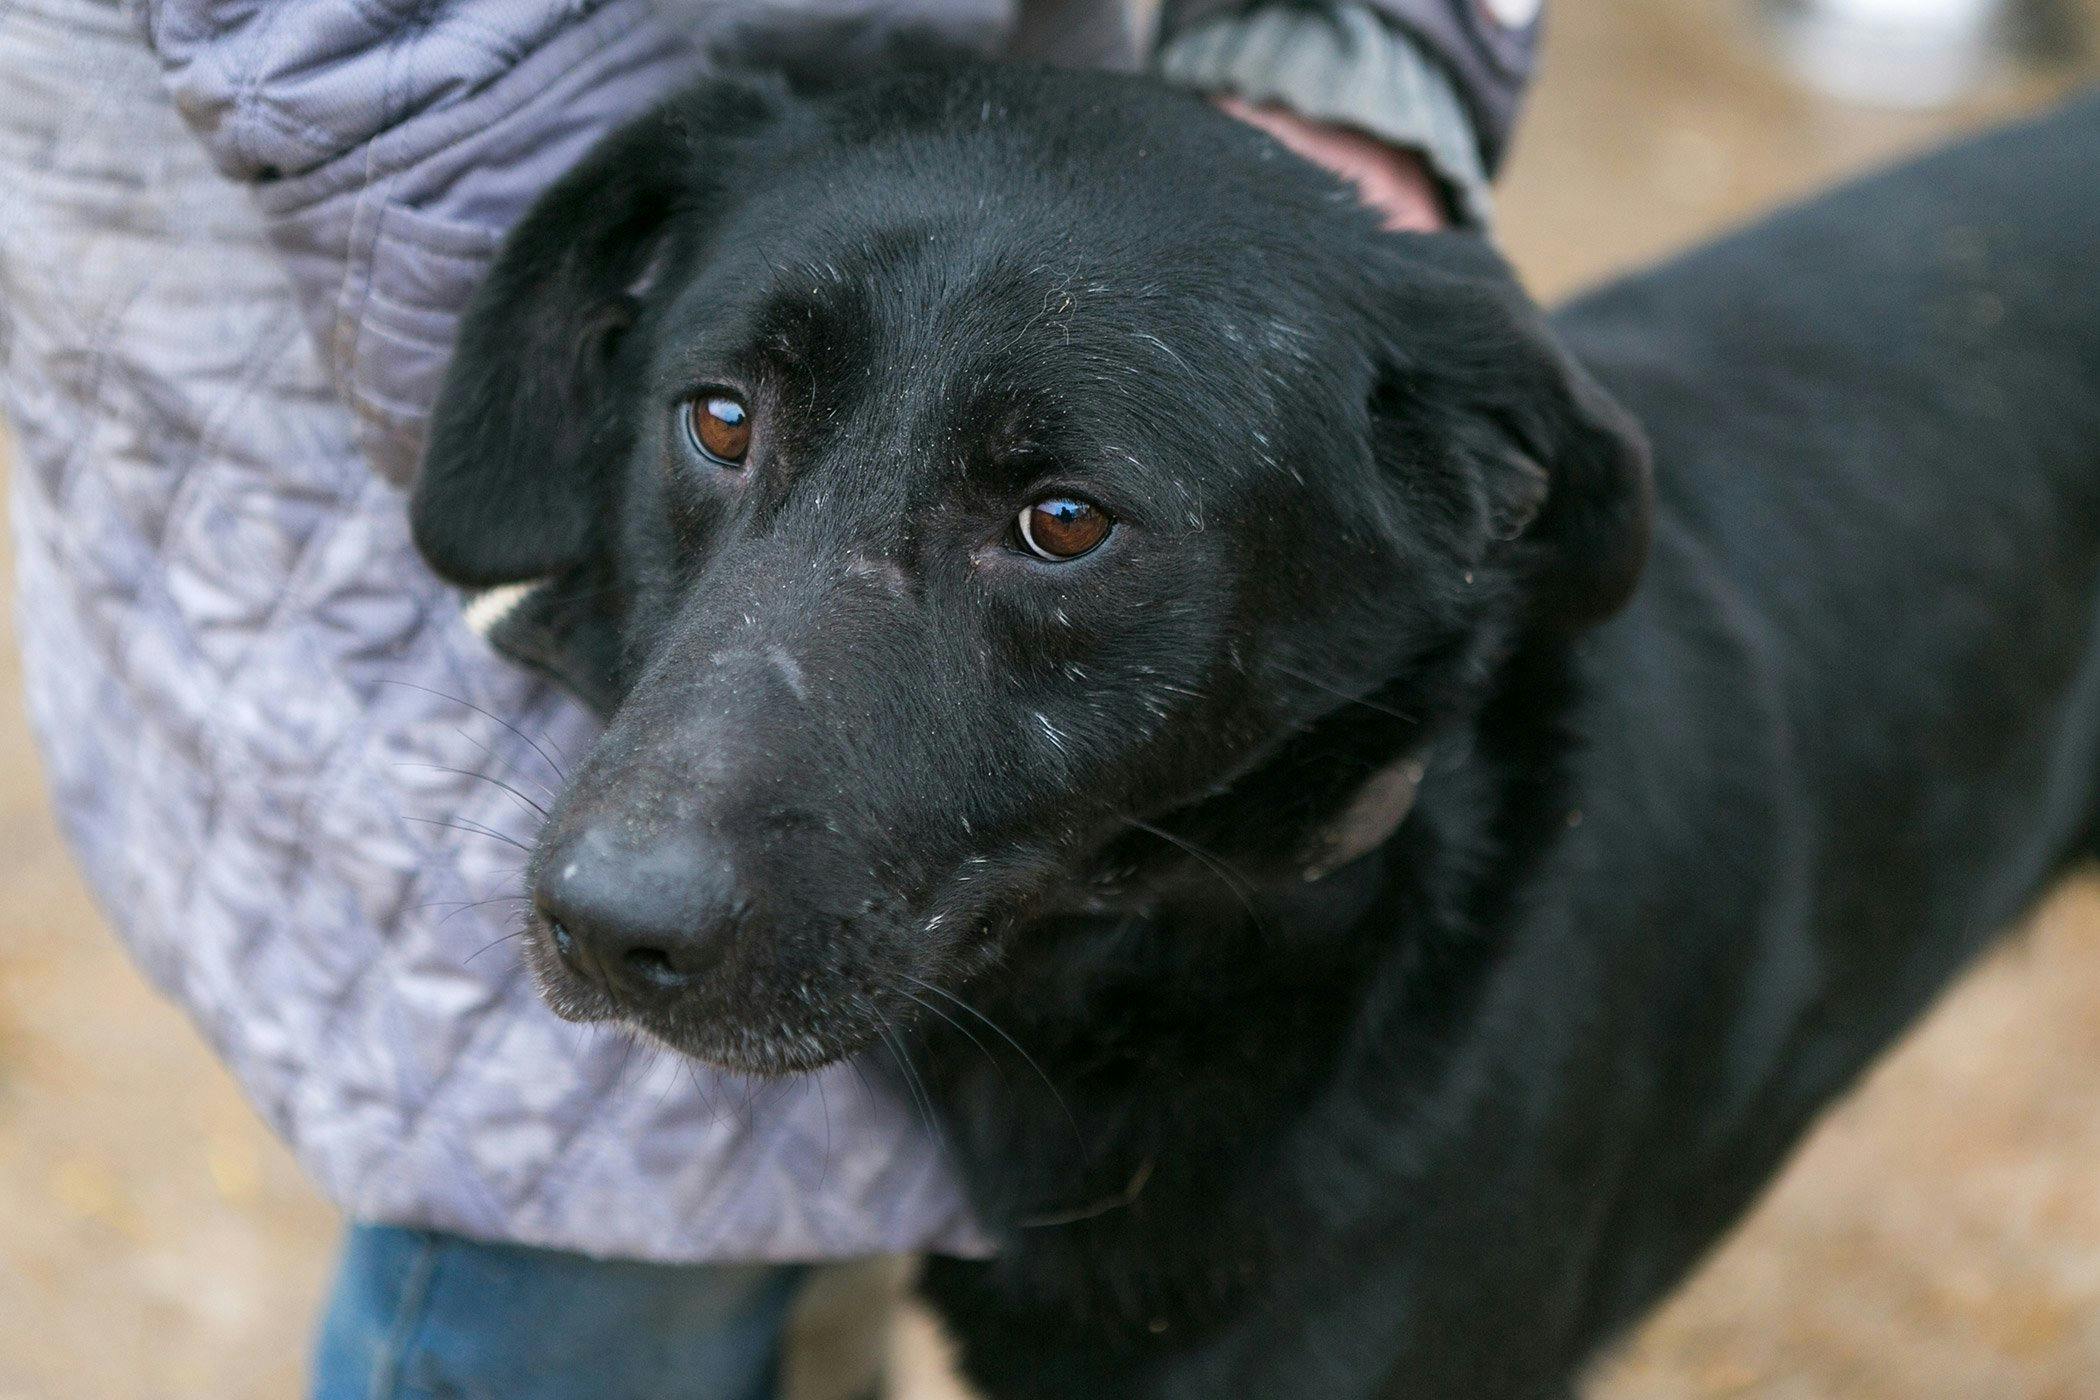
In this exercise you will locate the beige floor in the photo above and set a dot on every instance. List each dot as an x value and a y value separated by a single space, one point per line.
1939 1239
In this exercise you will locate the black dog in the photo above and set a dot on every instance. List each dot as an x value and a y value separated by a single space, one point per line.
1066 560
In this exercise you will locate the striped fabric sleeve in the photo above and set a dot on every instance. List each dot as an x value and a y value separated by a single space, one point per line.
1350 67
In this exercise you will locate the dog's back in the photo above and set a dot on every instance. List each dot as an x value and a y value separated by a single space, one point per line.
1855 711
1877 417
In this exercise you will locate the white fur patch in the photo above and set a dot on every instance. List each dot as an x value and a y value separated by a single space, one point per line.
486 610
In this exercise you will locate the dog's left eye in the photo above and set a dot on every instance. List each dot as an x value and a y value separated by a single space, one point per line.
720 426
1058 528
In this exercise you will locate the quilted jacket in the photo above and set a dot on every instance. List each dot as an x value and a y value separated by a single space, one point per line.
233 240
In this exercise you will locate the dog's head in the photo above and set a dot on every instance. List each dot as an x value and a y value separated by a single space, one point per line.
1016 487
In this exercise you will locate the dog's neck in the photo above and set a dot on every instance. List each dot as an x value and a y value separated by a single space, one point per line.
1170 1049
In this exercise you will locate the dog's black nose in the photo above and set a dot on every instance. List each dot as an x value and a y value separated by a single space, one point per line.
639 923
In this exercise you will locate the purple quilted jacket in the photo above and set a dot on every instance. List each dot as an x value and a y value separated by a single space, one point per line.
234 235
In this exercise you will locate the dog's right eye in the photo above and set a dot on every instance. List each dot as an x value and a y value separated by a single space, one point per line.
720 427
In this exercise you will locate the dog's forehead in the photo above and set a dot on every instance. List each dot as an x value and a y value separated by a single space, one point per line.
1015 312
986 292
971 221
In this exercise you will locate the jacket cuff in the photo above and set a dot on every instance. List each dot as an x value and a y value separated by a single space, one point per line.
1349 67
1487 48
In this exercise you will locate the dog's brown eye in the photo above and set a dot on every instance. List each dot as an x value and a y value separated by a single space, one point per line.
721 428
1058 528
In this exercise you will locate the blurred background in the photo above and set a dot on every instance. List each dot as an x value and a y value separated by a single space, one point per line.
1939 1237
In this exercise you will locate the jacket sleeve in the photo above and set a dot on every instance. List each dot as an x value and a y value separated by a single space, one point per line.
390 145
1445 77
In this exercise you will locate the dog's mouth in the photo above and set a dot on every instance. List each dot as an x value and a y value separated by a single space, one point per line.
787 1005
821 1021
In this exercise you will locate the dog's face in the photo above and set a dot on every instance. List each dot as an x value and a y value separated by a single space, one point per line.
1010 484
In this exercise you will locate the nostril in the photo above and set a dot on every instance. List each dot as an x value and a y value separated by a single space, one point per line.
654 967
564 944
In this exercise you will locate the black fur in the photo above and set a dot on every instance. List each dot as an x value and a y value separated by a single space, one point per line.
1683 857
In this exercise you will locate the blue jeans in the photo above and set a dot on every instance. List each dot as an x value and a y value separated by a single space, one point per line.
419 1316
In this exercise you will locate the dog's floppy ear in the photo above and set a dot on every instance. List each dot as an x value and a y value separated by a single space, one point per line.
1558 471
515 478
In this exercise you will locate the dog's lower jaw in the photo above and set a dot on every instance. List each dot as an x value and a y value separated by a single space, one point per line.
775 1054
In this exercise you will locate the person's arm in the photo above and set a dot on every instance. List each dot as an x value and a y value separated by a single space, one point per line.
1385 92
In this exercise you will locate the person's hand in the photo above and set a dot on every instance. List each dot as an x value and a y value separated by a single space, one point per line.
1392 181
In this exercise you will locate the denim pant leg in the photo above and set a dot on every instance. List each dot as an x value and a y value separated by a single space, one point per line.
418 1315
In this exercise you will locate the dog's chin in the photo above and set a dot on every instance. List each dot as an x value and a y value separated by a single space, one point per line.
748 1051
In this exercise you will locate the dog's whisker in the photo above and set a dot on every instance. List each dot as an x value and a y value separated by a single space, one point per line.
866 1089
472 829
1344 696
959 1027
714 1109
531 742
824 1171
514 933
629 1044
658 1053
921 1100
482 904
1018 1048
488 751
1227 876
458 904
483 777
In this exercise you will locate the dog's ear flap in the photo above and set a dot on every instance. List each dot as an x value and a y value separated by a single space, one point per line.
1558 471
514 479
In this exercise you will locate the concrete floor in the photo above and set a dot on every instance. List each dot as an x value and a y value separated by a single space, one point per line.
1939 1238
